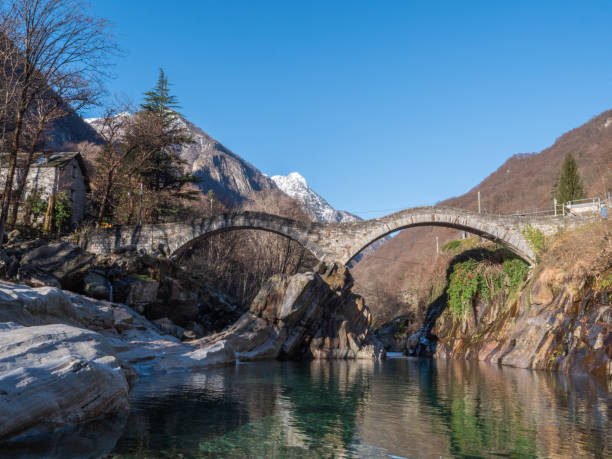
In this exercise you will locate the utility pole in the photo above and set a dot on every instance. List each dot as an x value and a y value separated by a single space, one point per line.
479 210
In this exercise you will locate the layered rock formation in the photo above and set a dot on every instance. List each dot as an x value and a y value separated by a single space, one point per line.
53 375
66 358
566 330
560 320
310 315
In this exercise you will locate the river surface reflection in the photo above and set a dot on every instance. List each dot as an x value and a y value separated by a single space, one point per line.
396 408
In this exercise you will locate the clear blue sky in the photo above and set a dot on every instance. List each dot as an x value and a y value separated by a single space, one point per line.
379 104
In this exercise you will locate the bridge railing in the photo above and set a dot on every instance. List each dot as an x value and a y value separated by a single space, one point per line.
577 207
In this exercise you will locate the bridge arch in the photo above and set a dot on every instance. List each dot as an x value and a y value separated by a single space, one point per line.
504 230
179 236
327 241
202 229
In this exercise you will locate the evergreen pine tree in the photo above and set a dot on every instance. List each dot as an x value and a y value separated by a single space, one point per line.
568 186
159 100
163 174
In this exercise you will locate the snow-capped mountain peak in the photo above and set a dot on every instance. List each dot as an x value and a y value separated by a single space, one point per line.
296 186
296 177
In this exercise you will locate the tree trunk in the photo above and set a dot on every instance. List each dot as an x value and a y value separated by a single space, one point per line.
8 187
6 197
26 170
20 190
48 224
107 189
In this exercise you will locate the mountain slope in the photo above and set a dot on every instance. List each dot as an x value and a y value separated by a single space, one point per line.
523 182
295 186
219 169
231 178
69 131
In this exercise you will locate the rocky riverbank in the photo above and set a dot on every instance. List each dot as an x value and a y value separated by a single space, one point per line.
559 316
179 302
66 358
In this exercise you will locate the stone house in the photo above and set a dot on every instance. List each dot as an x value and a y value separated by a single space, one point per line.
55 172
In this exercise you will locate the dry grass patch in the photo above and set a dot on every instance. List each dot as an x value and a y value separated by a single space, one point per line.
583 252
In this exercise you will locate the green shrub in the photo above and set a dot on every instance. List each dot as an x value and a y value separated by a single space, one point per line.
515 271
605 283
451 246
471 279
62 210
463 288
536 240
35 205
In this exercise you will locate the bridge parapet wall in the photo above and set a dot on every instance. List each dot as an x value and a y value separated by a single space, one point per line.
334 241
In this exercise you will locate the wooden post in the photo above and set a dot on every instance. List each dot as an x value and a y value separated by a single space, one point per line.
437 246
555 204
479 202
140 207
48 223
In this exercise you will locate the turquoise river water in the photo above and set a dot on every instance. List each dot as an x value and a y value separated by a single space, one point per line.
396 408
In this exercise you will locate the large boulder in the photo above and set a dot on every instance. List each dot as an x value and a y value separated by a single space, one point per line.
35 306
56 375
309 315
135 290
68 263
134 340
97 286
167 326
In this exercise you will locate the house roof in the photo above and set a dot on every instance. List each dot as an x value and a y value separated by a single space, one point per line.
58 159
43 159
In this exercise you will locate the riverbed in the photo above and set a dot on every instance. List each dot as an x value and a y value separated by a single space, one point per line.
400 407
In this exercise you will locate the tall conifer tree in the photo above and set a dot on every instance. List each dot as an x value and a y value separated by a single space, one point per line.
164 172
568 186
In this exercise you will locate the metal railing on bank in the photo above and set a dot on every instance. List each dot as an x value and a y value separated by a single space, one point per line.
577 207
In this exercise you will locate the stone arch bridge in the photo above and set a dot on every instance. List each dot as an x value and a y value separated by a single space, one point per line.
327 241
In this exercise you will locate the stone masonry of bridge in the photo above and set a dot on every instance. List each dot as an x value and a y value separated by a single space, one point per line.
327 241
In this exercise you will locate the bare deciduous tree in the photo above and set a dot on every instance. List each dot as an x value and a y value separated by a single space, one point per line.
50 49
241 261
42 112
132 143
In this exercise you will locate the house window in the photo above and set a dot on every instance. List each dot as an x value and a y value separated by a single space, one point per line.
74 171
72 194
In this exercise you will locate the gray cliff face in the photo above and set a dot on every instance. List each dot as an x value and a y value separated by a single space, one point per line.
219 169
69 131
